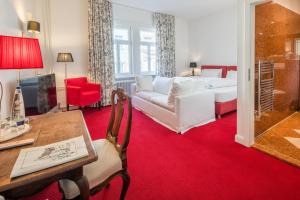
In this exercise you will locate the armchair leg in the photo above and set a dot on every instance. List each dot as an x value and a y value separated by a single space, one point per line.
68 107
126 182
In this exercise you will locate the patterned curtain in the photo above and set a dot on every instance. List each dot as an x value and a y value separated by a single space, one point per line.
165 44
101 62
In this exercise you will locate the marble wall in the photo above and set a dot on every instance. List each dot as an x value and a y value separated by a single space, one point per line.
277 31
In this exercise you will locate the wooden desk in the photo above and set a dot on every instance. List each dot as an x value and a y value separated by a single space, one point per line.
46 129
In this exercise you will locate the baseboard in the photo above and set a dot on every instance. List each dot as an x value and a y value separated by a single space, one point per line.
241 140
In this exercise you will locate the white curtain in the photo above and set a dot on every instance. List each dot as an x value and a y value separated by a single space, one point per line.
165 44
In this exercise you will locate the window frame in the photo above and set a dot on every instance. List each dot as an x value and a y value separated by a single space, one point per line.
118 43
149 45
135 42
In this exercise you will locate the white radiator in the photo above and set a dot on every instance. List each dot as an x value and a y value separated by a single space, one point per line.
125 84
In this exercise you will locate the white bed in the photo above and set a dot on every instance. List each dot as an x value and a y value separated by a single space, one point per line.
225 94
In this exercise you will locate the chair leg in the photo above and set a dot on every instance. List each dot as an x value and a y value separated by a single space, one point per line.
68 107
126 182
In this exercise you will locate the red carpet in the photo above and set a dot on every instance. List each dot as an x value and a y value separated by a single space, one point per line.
205 163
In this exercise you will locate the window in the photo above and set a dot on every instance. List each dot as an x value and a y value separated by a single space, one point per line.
147 51
122 51
134 51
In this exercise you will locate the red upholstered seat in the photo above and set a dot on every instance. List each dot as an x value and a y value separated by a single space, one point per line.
82 93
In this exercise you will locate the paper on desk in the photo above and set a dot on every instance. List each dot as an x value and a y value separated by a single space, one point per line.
38 158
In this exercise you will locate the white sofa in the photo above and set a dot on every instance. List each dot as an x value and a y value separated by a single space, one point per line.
193 109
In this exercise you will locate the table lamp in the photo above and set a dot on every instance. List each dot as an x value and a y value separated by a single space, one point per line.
19 53
33 27
65 58
193 65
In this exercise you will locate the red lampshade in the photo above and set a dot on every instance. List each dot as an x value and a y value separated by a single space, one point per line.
20 53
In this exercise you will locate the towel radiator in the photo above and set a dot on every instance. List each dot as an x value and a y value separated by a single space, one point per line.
265 87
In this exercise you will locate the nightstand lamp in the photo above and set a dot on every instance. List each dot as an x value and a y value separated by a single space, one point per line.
193 65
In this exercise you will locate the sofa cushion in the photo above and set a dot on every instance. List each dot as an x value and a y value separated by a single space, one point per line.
180 87
162 101
144 83
162 85
147 95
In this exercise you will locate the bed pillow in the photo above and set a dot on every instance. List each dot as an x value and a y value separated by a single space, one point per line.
211 73
144 83
197 71
162 85
231 74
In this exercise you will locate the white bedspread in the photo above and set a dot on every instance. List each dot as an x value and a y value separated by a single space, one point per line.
212 83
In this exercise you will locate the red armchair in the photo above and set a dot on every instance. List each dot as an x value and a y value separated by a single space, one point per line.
81 93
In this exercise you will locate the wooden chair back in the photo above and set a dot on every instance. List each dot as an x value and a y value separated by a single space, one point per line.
116 117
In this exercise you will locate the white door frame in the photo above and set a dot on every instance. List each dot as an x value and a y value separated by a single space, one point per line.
246 72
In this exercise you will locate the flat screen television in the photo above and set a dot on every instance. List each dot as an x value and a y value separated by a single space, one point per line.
39 94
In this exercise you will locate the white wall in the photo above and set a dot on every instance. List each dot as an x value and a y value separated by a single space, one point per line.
213 38
123 13
182 45
69 32
13 16
293 5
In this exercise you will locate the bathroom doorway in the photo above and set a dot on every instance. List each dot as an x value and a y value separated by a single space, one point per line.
277 79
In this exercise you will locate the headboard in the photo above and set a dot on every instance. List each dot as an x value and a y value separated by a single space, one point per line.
225 69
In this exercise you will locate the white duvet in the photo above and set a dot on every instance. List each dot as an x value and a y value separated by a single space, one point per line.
212 83
220 83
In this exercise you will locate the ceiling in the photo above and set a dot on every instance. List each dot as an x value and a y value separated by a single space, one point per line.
188 9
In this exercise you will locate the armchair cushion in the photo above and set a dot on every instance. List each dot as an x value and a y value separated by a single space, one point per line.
91 86
76 81
108 163
88 97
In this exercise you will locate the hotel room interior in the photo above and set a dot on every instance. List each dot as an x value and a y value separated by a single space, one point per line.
148 100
